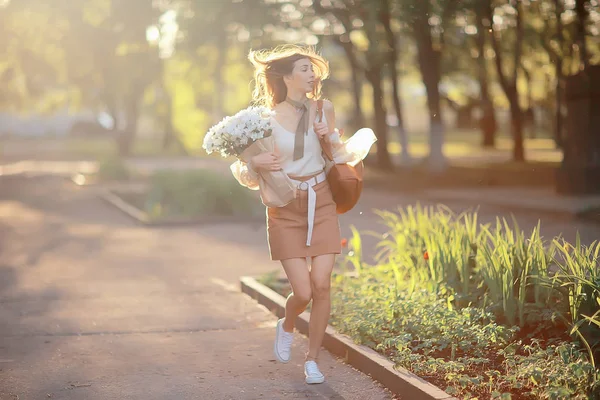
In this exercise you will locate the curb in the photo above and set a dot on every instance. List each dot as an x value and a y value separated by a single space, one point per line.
141 217
551 212
575 214
111 184
397 380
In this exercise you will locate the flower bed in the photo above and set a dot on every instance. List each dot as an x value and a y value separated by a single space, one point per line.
481 311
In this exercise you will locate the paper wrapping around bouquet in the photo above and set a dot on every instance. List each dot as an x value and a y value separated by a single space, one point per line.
353 150
276 188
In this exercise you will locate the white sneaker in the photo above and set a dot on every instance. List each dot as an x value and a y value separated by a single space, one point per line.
312 373
283 343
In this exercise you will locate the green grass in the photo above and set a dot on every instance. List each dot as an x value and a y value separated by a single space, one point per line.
113 168
197 193
467 143
103 147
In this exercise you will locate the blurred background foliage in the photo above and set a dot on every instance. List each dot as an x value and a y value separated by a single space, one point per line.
414 70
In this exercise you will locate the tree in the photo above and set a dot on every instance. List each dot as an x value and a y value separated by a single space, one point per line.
488 118
94 53
31 70
374 72
371 61
221 25
428 20
581 35
386 20
341 16
508 82
553 41
122 62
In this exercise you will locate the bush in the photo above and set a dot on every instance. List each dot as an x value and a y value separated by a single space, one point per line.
464 351
113 169
199 193
486 293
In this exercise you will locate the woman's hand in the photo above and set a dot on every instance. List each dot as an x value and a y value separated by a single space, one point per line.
321 129
265 162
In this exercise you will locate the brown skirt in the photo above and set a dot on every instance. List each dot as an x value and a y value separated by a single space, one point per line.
287 227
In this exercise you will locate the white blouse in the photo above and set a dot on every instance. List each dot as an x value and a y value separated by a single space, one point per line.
313 161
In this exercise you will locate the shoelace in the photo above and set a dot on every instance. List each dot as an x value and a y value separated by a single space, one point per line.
312 368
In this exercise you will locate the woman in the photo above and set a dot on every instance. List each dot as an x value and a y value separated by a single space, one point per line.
305 234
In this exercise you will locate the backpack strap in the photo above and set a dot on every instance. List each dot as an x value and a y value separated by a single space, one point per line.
325 143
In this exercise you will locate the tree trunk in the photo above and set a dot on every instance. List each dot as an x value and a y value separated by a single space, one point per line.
510 86
374 76
170 137
582 15
429 64
558 117
132 113
393 68
529 117
358 118
488 118
218 109
111 105
558 68
557 59
127 135
516 117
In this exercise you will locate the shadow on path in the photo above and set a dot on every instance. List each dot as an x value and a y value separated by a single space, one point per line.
93 306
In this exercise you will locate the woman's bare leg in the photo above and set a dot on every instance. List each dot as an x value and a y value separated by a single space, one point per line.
320 279
297 273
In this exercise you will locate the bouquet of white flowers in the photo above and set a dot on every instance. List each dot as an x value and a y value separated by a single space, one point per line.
233 134
245 135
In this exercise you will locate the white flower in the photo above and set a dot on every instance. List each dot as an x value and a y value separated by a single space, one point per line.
234 133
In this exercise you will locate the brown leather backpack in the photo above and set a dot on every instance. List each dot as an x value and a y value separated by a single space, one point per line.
345 181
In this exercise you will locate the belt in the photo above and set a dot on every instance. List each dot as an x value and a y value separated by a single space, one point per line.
312 200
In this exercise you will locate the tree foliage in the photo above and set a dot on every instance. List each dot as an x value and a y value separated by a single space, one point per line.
184 61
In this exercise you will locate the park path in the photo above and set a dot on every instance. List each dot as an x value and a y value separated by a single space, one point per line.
93 306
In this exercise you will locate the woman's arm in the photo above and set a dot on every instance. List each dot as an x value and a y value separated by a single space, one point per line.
327 129
245 174
329 112
334 134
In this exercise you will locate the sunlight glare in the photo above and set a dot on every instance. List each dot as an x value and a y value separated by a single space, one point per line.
152 34
319 25
470 29
312 40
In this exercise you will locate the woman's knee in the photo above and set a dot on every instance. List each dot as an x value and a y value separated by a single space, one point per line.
321 290
303 295
320 276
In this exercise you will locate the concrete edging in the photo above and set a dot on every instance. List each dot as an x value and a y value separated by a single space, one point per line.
141 217
399 381
539 210
509 208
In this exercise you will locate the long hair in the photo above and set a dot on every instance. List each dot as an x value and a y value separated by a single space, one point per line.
270 66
